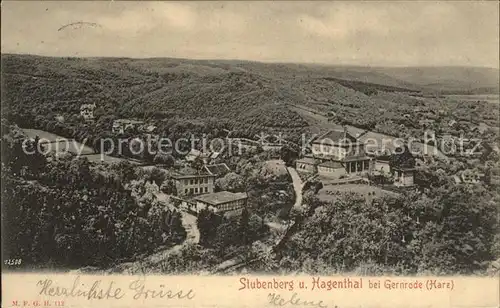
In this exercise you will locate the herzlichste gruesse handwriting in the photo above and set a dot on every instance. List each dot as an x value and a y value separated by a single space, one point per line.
109 290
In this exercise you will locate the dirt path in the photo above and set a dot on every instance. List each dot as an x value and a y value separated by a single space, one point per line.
297 186
189 223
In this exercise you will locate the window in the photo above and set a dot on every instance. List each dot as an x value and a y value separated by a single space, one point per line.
191 190
206 180
186 191
191 181
206 189
196 190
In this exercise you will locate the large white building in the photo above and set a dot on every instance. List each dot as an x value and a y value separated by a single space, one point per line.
192 184
334 154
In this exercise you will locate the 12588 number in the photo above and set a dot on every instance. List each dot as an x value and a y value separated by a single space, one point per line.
13 261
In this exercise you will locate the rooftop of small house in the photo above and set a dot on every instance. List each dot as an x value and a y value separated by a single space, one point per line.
220 197
87 106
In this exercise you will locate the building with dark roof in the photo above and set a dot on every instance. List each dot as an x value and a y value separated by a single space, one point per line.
221 202
402 166
218 170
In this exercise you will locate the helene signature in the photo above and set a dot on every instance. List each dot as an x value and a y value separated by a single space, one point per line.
109 290
295 300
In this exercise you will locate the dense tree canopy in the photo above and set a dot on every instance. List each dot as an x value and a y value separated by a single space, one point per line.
64 212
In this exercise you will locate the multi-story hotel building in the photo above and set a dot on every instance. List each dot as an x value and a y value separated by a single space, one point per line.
194 184
336 150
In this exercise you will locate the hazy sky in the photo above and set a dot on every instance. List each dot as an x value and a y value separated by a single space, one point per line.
362 33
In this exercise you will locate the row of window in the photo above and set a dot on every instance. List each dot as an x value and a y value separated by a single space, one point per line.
196 190
195 181
231 206
359 166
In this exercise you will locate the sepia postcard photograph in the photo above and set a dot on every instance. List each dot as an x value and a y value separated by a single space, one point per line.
331 154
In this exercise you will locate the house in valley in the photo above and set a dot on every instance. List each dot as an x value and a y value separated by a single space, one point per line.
194 154
336 154
189 182
222 202
87 111
471 177
307 165
402 166
343 148
122 125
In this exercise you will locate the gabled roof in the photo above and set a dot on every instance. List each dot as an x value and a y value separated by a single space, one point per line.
402 159
195 153
220 197
187 172
335 136
87 106
217 169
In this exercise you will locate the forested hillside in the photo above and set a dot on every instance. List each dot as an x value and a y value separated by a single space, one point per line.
247 96
65 213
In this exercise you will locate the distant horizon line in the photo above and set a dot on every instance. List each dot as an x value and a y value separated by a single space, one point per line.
255 61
